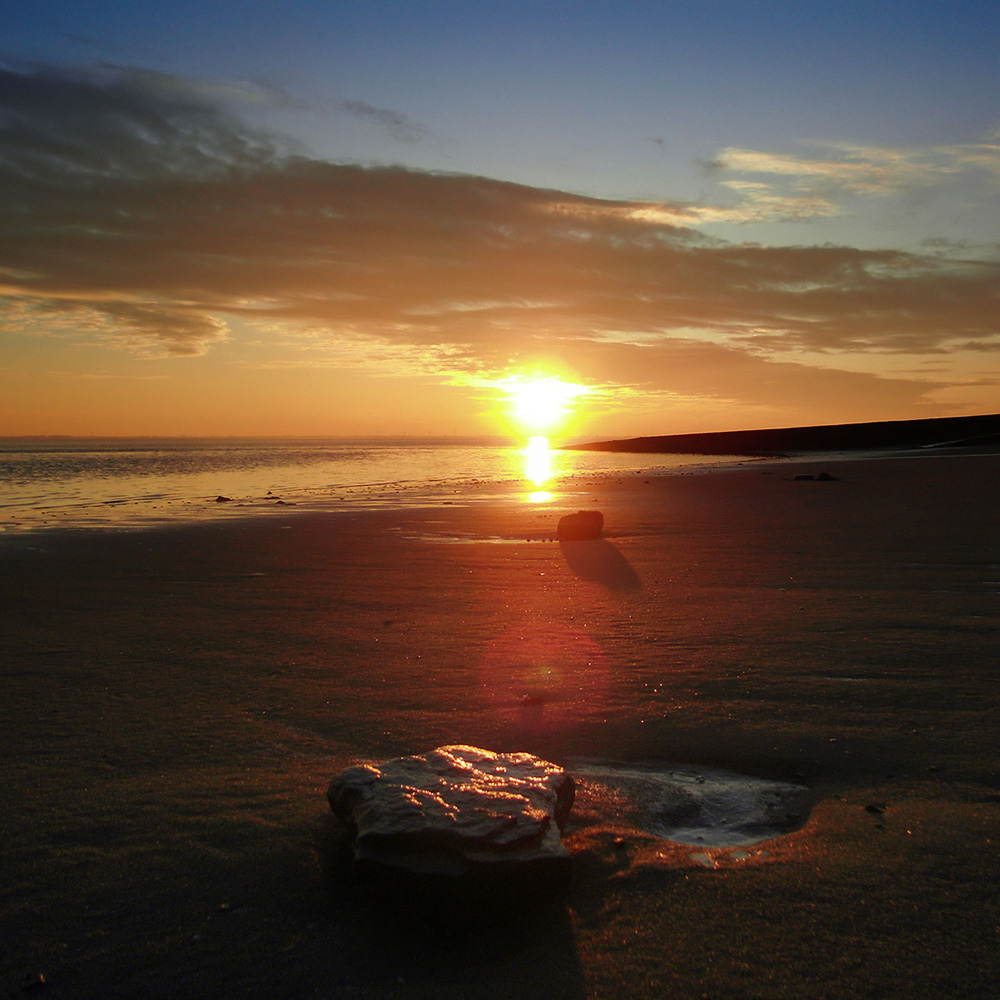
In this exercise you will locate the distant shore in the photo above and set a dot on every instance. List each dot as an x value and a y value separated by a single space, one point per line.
937 432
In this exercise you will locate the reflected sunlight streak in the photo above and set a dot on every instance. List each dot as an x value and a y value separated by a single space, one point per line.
538 460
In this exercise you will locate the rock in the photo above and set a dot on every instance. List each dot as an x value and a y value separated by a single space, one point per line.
459 822
825 477
222 499
584 525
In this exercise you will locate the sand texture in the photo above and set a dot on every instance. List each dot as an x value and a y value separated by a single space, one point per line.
174 704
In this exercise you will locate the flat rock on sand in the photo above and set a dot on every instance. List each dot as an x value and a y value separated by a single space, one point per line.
459 819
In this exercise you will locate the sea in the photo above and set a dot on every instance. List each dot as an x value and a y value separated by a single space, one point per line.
49 484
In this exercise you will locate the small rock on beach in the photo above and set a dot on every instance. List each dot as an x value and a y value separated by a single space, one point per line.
584 525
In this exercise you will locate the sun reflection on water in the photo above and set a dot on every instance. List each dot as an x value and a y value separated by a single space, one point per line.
538 468
538 461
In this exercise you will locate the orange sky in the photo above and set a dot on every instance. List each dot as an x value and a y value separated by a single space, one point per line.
167 268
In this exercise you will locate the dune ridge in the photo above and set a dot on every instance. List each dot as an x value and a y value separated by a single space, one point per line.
935 432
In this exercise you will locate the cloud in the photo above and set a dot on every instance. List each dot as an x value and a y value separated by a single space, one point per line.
691 369
62 127
396 124
783 186
138 209
763 203
860 170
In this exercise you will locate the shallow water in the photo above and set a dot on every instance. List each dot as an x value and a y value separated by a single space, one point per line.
704 807
48 483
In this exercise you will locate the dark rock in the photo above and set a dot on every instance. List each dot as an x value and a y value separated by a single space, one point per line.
825 477
460 822
222 499
582 526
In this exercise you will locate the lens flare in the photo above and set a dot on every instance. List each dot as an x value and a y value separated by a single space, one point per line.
545 676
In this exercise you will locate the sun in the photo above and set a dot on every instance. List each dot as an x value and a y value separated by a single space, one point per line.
541 403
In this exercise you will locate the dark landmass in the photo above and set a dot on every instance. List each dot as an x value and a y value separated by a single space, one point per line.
938 432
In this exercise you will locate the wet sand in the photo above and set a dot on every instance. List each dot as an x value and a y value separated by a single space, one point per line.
174 704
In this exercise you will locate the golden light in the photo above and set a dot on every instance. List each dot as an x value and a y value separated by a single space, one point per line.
536 406
538 460
541 403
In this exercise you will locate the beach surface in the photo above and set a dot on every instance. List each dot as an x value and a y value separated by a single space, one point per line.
175 702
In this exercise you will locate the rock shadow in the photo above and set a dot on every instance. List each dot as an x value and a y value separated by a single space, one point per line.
600 561
389 942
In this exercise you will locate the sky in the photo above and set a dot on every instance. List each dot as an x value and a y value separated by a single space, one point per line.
354 218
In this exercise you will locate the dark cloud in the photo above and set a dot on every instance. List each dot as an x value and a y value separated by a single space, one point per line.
710 165
396 124
133 200
64 128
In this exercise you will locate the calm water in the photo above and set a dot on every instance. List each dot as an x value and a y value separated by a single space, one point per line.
126 483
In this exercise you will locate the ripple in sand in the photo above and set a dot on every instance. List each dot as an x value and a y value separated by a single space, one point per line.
704 808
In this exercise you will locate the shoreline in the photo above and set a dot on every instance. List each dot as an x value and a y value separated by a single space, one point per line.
56 522
130 493
177 701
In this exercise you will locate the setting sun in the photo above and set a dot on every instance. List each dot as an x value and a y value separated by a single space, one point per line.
541 403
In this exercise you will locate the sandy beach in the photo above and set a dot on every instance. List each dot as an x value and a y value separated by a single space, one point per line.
175 703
